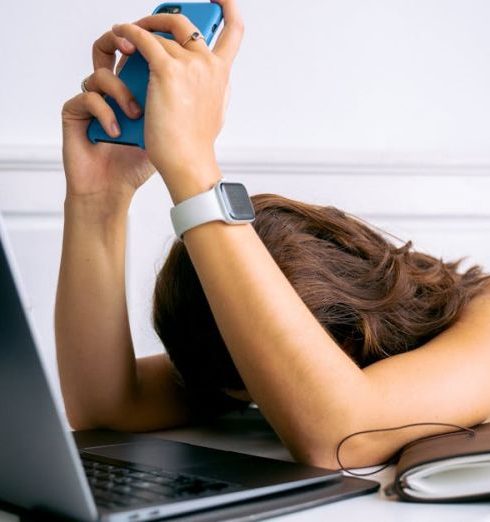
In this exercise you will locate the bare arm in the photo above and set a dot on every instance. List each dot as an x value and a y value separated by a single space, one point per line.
445 380
94 351
307 387
103 384
310 391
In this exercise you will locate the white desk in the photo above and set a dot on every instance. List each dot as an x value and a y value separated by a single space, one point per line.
249 433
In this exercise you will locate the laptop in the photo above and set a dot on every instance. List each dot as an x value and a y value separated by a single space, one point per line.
43 470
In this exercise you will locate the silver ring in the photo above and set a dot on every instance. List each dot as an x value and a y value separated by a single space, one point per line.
196 35
83 85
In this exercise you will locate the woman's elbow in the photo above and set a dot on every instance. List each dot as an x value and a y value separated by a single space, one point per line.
79 422
80 419
351 455
315 459
349 460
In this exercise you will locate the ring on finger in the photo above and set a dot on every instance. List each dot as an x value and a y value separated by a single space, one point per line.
83 85
196 35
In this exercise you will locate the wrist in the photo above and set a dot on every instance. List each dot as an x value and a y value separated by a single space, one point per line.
98 208
187 180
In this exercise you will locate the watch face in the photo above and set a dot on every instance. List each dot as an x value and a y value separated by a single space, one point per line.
236 200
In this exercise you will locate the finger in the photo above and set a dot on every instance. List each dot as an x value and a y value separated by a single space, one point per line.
105 47
179 26
229 40
174 49
91 104
105 81
145 42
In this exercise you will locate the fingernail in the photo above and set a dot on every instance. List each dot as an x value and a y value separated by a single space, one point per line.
134 108
115 130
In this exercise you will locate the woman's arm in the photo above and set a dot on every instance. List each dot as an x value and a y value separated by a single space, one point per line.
302 381
445 380
306 386
95 355
311 392
102 383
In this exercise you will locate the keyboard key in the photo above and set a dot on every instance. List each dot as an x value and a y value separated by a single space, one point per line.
137 474
121 471
122 489
123 480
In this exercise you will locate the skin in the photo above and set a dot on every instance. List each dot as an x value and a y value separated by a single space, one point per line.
308 389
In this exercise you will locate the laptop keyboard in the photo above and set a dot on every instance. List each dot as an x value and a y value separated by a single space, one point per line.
117 485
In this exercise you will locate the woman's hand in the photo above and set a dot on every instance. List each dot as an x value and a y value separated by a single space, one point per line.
187 94
104 170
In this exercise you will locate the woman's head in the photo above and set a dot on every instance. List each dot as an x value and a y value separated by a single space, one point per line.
375 299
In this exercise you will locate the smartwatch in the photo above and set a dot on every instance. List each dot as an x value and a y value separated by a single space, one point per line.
225 201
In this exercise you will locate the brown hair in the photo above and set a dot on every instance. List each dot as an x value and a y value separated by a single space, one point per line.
375 299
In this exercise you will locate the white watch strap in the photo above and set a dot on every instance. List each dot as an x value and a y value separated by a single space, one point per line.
196 210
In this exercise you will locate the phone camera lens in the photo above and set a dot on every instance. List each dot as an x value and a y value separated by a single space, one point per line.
170 9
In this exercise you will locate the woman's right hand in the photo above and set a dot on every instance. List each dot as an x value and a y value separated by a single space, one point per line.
104 170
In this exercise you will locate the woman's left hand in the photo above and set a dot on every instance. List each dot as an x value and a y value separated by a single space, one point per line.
187 94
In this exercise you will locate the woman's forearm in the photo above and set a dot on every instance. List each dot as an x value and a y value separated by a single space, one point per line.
305 385
94 350
310 391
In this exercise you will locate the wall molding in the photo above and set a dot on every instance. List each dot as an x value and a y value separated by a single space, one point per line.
30 158
283 161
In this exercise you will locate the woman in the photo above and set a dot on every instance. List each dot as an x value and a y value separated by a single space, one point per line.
322 323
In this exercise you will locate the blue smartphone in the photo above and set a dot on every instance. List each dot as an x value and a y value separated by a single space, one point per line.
207 17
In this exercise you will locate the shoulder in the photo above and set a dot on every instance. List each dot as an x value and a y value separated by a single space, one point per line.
472 328
478 306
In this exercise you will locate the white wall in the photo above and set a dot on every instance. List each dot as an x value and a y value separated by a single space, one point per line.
350 75
379 107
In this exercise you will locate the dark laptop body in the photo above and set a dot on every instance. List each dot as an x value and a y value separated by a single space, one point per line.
41 468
